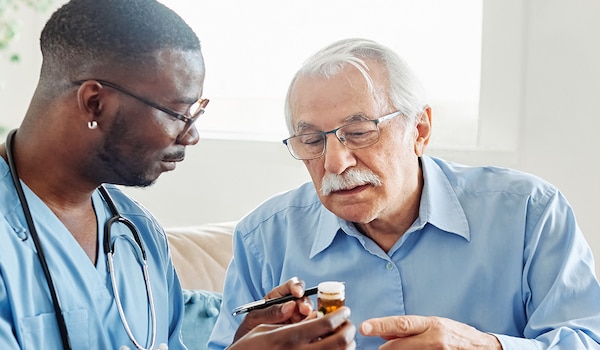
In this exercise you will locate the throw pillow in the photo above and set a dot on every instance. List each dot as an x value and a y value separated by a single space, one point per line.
202 308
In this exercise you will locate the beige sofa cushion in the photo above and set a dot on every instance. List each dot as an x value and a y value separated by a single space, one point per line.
201 254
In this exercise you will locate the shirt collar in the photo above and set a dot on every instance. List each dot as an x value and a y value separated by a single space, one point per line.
439 207
439 203
329 225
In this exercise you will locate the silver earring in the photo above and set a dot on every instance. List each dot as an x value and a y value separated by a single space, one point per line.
92 125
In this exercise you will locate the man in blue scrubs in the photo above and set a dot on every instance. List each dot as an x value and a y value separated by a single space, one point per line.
434 254
120 87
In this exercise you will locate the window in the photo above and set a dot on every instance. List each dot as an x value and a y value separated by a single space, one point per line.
252 49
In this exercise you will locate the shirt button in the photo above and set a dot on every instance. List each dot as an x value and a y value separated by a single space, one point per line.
389 266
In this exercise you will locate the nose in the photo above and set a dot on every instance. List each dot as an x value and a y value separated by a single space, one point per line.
338 157
190 138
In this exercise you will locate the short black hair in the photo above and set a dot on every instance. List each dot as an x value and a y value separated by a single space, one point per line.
121 32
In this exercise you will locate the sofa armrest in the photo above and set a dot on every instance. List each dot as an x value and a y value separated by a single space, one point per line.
201 254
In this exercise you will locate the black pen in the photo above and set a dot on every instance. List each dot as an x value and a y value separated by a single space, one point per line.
264 303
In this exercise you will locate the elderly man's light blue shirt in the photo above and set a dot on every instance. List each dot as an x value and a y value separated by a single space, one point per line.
27 318
494 248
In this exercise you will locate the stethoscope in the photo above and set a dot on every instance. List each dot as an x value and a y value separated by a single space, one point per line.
109 250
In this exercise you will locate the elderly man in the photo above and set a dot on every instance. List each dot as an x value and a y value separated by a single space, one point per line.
82 265
433 254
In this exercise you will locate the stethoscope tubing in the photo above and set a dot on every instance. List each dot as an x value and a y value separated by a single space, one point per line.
62 326
108 250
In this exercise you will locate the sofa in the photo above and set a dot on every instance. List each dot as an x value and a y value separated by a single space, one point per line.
201 255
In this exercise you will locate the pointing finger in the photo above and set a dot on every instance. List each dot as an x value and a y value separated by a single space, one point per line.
395 326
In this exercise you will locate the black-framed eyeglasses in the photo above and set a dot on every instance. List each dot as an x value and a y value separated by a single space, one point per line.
355 135
193 112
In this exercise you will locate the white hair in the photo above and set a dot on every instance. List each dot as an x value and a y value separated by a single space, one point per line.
405 90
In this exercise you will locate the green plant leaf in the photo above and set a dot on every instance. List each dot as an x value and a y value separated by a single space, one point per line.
9 26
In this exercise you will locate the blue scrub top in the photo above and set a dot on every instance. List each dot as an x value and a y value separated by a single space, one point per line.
27 318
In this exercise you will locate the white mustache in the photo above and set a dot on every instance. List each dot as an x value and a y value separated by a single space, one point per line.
349 179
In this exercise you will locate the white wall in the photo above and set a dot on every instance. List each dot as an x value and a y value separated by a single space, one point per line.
540 113
221 180
559 132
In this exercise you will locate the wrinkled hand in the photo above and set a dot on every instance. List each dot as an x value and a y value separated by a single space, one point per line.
419 332
290 312
330 332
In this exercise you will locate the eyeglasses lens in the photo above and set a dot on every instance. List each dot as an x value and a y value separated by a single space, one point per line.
354 136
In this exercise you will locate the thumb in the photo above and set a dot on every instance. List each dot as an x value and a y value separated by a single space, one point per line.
276 314
394 326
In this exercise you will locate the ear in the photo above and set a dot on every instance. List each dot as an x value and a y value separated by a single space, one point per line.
423 130
90 101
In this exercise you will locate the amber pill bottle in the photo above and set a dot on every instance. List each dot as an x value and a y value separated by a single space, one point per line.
330 296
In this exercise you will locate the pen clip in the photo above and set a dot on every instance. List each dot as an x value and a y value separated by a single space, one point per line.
248 307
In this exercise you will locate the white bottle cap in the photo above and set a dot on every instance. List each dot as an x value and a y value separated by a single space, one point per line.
331 290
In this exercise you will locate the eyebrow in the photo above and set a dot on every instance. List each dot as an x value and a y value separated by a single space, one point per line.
303 126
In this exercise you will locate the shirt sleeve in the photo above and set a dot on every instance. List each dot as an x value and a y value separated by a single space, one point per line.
176 313
166 271
560 291
238 289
